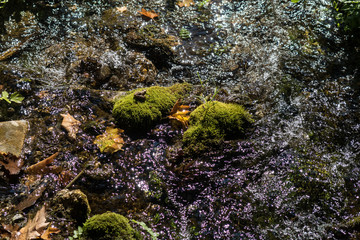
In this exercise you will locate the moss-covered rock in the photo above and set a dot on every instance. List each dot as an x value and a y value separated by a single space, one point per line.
71 205
142 108
109 226
213 122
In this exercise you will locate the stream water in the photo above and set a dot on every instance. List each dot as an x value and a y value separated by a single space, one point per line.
295 175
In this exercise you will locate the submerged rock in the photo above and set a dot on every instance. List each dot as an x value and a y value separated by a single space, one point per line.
72 204
12 135
213 122
142 109
109 226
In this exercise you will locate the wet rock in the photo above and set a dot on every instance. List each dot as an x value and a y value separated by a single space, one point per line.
140 95
12 135
136 69
108 226
71 205
157 45
133 114
213 122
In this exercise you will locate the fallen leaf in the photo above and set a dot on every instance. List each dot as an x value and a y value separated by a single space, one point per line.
185 3
31 199
121 9
65 177
11 231
11 162
110 141
70 124
34 227
49 230
150 14
42 166
180 113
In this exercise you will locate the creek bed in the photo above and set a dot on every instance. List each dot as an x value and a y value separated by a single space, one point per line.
295 173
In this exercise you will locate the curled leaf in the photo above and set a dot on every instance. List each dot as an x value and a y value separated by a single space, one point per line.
42 166
110 141
11 162
150 14
180 114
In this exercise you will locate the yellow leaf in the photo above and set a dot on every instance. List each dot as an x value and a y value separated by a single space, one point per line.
70 124
110 141
185 3
180 114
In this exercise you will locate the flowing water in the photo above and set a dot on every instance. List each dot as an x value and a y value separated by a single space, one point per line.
293 176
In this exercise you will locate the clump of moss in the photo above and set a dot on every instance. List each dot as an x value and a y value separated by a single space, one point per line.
109 226
142 108
213 122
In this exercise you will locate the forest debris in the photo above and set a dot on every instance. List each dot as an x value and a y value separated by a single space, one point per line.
10 231
35 228
150 14
11 162
49 230
110 141
11 51
121 9
70 124
180 114
42 166
31 199
185 3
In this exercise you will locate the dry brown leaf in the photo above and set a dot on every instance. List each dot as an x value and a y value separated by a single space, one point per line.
110 141
65 177
185 3
180 113
121 9
31 199
35 227
11 231
70 124
150 14
49 230
11 162
42 166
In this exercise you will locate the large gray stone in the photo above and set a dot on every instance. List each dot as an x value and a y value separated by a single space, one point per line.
12 135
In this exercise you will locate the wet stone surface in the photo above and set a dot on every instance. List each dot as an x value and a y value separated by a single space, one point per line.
293 173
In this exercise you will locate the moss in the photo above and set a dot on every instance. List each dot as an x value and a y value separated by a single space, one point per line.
213 122
109 226
132 113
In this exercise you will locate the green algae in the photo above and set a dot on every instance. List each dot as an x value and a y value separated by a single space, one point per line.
109 226
136 111
213 122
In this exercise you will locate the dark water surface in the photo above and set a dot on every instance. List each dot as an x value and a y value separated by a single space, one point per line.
294 176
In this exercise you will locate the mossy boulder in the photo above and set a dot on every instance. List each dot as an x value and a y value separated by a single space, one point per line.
213 122
71 205
109 226
143 108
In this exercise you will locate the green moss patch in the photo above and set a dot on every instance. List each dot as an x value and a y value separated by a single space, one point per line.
213 122
108 226
143 108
